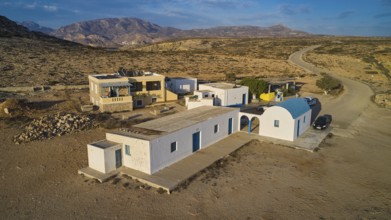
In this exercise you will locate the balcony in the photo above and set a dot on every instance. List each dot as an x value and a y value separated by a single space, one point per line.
113 100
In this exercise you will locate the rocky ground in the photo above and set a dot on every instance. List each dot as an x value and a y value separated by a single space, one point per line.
51 126
348 178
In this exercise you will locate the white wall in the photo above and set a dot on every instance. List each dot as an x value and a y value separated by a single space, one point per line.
304 124
182 85
198 103
102 160
96 158
161 155
139 149
235 96
110 158
227 97
286 127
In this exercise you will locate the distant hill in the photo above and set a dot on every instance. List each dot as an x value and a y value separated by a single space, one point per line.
10 28
118 32
115 32
245 31
32 26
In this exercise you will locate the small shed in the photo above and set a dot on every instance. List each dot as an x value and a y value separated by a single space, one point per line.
181 85
286 120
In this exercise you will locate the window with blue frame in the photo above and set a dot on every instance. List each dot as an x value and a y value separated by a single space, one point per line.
127 150
276 123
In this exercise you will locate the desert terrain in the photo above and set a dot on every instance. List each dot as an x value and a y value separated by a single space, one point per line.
348 178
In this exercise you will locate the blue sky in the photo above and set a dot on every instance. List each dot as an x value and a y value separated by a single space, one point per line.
335 17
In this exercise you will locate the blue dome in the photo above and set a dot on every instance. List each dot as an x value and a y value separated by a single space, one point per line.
295 106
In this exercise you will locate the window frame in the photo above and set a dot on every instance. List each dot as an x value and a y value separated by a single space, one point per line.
127 150
150 86
276 123
216 128
172 150
139 100
136 86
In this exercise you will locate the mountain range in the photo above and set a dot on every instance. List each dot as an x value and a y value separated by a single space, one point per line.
32 26
119 32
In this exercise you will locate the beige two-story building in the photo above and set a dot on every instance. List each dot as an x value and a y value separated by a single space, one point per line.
123 92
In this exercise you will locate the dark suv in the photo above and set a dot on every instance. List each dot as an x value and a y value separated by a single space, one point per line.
322 122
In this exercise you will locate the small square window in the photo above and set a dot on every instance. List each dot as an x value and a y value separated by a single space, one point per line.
216 128
206 96
173 146
276 123
127 150
139 102
154 99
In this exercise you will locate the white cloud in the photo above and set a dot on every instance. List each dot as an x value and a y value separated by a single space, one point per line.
31 6
50 8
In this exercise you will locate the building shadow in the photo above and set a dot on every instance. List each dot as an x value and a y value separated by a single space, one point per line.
315 111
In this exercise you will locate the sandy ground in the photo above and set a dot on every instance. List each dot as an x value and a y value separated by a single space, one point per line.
347 179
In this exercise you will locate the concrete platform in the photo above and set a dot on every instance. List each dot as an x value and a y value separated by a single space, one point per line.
308 141
170 177
94 174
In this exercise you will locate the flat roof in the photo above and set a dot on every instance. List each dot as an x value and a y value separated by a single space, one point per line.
255 111
162 126
222 85
104 144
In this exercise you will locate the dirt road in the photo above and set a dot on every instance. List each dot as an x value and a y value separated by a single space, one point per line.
348 107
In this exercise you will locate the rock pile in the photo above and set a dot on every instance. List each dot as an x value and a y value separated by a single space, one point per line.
54 125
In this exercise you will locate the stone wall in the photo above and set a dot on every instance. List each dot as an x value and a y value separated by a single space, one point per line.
116 107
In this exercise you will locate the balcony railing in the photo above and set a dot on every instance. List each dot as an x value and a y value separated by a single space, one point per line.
120 99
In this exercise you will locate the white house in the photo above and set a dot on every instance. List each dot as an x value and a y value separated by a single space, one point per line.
218 94
153 145
181 85
286 120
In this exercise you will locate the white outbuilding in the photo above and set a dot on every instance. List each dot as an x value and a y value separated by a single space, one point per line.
218 94
150 146
181 85
286 120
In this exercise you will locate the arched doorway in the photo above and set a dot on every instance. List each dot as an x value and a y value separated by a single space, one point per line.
254 125
244 121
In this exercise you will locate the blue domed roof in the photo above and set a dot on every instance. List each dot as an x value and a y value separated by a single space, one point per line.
295 106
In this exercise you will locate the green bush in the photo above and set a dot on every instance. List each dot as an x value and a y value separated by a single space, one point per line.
328 83
255 86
